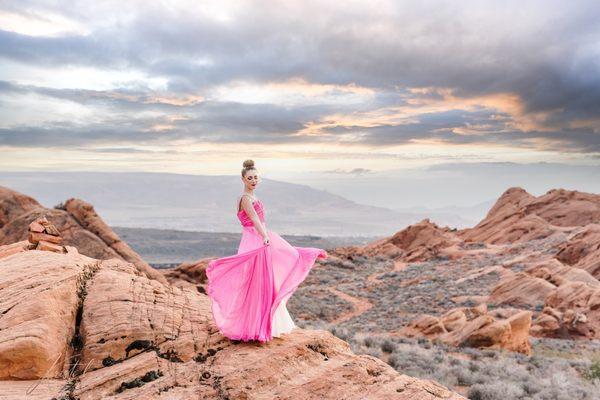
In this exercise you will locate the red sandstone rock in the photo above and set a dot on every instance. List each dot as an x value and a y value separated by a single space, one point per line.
14 204
87 217
14 248
140 339
49 228
572 310
476 327
562 207
47 246
38 305
518 216
582 250
521 289
557 273
417 242
36 227
35 237
79 227
191 275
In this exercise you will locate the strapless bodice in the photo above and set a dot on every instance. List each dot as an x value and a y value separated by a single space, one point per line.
245 219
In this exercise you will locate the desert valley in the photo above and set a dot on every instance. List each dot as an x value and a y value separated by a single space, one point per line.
507 309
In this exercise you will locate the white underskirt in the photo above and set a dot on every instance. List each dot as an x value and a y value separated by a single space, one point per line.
282 320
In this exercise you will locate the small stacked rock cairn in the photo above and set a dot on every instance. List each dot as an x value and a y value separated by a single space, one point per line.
43 235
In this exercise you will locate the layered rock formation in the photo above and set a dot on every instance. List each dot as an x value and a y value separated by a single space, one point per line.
582 250
76 327
568 298
417 242
189 275
519 217
552 244
77 223
476 327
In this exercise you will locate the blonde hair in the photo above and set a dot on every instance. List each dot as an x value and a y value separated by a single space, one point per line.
248 165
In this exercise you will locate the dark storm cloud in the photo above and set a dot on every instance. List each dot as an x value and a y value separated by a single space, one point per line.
547 53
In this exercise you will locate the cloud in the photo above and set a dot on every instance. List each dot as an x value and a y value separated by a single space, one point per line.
353 171
474 73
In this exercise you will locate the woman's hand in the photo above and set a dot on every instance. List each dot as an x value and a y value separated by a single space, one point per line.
266 240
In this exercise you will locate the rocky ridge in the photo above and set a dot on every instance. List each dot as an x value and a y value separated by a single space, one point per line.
552 291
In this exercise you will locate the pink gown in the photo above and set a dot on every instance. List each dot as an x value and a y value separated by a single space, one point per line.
249 290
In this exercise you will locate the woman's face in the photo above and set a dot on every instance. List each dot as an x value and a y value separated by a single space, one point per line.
251 179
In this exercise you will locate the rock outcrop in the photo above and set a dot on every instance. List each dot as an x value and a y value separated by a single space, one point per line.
538 254
476 327
77 223
568 297
98 329
519 217
571 310
191 275
38 308
582 250
521 289
417 242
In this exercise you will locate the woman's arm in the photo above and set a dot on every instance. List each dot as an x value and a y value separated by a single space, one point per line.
251 212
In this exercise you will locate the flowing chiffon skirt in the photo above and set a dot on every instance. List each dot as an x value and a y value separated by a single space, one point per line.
249 290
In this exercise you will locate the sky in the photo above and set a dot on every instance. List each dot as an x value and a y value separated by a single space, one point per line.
313 91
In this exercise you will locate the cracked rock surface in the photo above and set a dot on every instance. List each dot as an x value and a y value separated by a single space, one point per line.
73 327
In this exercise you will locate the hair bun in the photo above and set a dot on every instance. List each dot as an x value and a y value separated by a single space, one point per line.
248 164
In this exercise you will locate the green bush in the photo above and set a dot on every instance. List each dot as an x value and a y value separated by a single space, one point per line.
594 371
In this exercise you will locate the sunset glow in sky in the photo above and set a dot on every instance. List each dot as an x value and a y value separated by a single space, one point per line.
323 87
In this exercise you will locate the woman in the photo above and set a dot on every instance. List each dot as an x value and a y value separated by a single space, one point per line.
249 290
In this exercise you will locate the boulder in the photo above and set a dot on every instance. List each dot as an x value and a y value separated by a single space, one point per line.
476 327
38 305
572 310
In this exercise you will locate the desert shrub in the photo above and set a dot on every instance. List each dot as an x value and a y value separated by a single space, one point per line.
473 352
491 374
455 361
593 371
489 353
369 341
495 391
373 351
464 377
531 387
340 332
394 361
388 346
474 367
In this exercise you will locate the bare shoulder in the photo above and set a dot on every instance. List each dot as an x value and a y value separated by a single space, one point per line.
245 202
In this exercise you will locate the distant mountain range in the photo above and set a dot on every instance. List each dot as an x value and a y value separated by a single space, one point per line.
208 203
